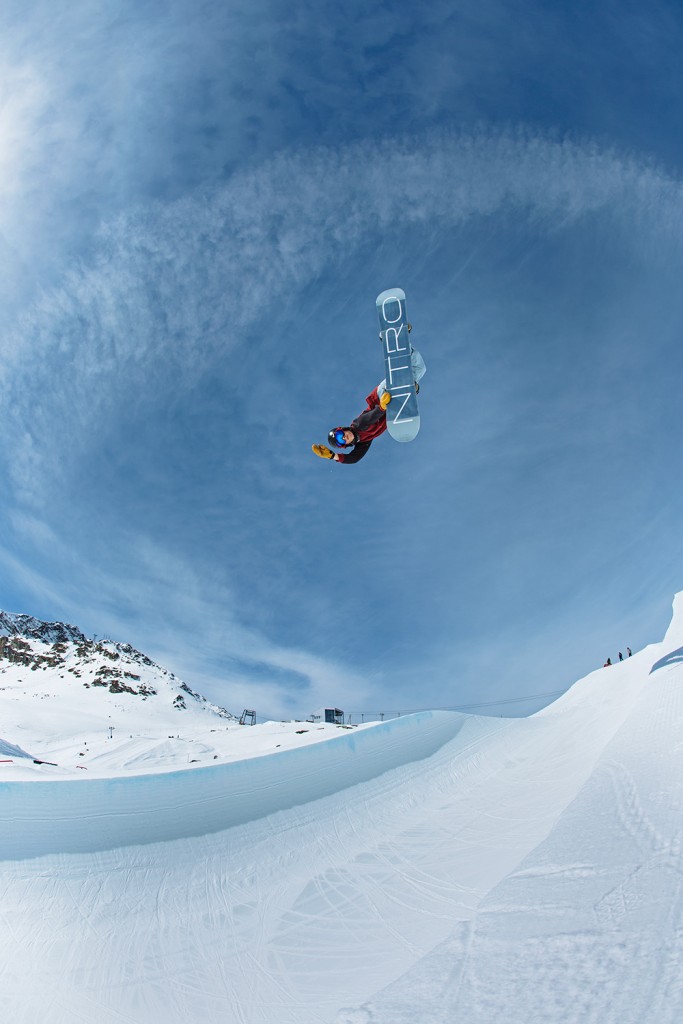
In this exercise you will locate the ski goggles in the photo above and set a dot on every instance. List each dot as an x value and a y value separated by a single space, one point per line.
339 438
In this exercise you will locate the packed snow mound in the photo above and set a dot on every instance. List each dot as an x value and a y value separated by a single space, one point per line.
451 868
589 924
674 634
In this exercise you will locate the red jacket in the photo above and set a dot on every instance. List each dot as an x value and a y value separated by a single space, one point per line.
370 424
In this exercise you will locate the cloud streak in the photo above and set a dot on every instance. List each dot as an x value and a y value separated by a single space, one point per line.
173 285
192 624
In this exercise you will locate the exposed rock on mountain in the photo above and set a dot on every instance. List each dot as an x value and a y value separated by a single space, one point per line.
60 651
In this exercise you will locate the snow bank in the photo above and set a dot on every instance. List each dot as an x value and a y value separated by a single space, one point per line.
68 816
589 925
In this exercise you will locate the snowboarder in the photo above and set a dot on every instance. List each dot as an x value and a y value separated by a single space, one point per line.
370 424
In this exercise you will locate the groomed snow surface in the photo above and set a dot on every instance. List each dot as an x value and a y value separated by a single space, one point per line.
437 868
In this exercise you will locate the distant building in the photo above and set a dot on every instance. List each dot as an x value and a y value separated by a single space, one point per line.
332 715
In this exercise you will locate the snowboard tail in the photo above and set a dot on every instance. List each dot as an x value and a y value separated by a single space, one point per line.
403 417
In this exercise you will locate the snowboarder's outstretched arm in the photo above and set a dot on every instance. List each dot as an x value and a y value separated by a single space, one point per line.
359 451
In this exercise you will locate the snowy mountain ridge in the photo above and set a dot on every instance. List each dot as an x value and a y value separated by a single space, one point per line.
57 649
18 624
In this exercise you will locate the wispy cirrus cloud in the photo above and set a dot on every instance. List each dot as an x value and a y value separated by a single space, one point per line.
174 286
192 623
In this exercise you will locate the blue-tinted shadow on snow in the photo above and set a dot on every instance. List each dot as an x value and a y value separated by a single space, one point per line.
673 658
11 750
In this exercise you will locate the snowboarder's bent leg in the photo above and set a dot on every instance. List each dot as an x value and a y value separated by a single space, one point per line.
419 368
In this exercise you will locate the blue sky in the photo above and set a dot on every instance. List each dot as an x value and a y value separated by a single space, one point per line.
198 206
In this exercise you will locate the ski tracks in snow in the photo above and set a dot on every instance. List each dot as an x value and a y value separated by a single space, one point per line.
588 928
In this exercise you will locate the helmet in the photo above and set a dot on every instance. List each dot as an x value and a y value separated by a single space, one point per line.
336 437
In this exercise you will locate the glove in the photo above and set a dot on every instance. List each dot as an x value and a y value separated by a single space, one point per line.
322 451
385 399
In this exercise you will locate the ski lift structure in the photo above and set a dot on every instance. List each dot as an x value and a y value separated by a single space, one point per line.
331 716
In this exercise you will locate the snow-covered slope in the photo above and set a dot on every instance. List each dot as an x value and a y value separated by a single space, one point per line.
104 709
15 624
445 868
55 683
589 924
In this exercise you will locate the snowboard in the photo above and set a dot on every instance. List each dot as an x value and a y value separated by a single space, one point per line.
403 417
